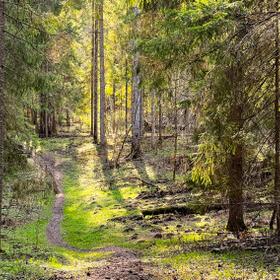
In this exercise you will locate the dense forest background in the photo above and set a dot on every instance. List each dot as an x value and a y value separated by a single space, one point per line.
162 117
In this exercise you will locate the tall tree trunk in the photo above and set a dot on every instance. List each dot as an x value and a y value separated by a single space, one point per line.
142 94
46 116
136 98
34 117
95 86
235 75
175 131
136 110
236 222
236 216
2 121
153 116
159 119
68 119
114 107
92 68
54 123
277 125
43 131
126 97
102 76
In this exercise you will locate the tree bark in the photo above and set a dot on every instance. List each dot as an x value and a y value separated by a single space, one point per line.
136 99
236 214
95 86
136 110
114 107
153 113
175 131
126 97
43 131
46 116
159 119
277 125
236 222
68 119
142 94
2 120
34 117
92 68
54 123
102 76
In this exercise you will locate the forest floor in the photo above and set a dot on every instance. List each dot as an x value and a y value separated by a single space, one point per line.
121 223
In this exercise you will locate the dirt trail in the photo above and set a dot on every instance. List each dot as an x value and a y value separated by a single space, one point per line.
122 265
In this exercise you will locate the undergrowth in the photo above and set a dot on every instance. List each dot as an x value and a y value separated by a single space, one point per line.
100 204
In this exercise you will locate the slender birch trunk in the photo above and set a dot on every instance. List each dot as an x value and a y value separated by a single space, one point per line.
114 107
142 94
136 110
102 75
153 111
95 75
136 99
92 69
160 119
175 130
126 97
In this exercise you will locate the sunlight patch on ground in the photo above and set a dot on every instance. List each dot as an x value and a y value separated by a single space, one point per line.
211 266
90 206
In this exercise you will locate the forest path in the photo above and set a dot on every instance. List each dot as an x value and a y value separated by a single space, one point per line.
121 263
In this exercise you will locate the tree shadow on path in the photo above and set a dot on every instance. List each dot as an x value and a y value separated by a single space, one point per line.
141 168
108 173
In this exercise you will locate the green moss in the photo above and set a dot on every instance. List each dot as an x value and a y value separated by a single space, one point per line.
206 265
94 196
91 206
25 243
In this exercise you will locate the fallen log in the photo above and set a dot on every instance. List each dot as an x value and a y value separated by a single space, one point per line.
143 181
197 208
183 209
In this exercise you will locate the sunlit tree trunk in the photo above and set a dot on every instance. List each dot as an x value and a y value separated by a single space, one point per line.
92 68
153 116
142 94
114 107
95 74
159 119
126 97
102 76
136 99
136 109
2 121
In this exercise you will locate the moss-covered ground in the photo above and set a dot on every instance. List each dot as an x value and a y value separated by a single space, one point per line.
103 208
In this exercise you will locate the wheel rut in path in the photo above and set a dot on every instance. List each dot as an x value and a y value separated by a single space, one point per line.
122 265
